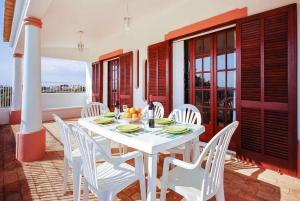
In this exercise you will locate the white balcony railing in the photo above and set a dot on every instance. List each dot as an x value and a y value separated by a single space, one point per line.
62 87
5 96
47 87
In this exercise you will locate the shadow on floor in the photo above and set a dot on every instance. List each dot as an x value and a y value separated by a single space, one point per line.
43 179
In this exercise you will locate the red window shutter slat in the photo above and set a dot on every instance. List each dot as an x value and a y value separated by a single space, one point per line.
126 79
97 82
152 71
251 138
250 60
276 56
267 103
158 74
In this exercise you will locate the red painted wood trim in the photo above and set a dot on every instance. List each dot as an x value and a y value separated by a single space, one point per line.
146 80
111 55
15 117
33 21
18 55
137 69
210 22
292 84
31 146
298 160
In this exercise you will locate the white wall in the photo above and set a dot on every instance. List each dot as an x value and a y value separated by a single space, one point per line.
4 115
178 73
64 113
63 100
88 82
66 105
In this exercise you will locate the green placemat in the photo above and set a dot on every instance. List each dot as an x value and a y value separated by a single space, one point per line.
104 120
163 121
176 129
109 114
127 128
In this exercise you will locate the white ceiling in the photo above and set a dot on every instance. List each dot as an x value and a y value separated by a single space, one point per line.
97 18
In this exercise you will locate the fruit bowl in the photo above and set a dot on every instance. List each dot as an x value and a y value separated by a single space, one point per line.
133 119
132 115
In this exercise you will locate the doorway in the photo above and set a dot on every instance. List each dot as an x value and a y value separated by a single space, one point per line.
113 82
210 77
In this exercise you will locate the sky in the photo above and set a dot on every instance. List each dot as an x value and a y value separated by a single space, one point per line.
53 70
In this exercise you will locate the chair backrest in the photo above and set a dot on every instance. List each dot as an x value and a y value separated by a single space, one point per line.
94 109
65 133
214 154
186 114
158 110
88 148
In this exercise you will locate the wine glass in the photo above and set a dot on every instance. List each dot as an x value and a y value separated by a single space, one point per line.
144 121
124 107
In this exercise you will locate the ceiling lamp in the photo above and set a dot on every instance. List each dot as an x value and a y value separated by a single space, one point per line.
127 23
127 19
80 44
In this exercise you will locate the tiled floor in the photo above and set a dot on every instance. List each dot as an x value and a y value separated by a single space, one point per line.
43 180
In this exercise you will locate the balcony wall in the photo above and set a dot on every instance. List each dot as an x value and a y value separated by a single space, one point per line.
66 105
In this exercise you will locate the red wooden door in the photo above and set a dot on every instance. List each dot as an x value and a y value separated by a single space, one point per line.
201 80
113 82
159 68
126 79
97 81
267 88
212 80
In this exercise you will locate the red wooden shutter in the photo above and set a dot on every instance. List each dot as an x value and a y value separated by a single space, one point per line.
267 88
126 79
146 80
93 81
97 82
158 74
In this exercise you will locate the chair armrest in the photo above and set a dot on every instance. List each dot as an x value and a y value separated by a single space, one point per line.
165 174
179 163
200 144
123 158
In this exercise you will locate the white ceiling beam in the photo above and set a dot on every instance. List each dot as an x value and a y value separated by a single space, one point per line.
27 8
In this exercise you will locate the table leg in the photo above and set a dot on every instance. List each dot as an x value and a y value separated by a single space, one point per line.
146 162
187 152
152 174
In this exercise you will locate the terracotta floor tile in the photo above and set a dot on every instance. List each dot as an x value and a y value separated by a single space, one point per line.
42 180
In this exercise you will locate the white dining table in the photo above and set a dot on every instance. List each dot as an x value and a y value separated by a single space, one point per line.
151 142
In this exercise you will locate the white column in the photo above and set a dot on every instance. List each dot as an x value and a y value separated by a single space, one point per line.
178 74
17 82
105 82
31 119
89 83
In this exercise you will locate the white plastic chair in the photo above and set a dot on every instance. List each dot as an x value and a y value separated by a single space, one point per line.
186 114
72 157
106 179
192 181
94 109
158 110
158 113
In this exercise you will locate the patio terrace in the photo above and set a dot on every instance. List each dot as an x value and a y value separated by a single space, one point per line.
234 62
42 180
